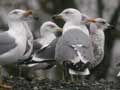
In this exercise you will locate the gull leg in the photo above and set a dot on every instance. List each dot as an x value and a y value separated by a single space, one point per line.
20 71
3 86
19 67
83 78
73 78
65 72
77 78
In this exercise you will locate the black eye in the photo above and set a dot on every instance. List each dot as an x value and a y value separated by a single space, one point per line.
15 12
51 26
103 22
67 12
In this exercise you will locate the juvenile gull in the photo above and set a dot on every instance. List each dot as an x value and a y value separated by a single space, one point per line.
74 47
14 41
96 29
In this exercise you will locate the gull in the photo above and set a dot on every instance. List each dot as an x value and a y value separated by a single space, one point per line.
43 58
96 29
13 43
74 49
46 37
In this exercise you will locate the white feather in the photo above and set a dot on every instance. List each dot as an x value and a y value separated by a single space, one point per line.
118 75
80 56
34 58
85 72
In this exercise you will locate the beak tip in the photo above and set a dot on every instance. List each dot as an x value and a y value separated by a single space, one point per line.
28 12
111 27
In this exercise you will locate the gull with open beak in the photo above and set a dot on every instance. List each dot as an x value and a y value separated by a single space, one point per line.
14 42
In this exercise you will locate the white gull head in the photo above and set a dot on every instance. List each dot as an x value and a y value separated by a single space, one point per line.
47 32
71 15
49 28
19 15
101 24
73 18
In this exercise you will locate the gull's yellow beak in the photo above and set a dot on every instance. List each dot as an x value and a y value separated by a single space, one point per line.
91 20
28 12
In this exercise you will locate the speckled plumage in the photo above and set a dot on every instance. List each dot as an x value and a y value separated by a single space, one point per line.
97 39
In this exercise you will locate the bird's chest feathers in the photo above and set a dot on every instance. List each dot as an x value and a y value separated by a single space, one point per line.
20 34
98 38
20 38
46 40
70 26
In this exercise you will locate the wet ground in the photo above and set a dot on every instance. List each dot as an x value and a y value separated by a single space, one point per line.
22 84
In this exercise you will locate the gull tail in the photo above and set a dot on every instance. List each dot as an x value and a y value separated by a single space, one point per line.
80 64
79 68
85 72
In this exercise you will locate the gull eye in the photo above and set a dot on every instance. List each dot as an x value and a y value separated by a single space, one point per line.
67 12
15 12
51 26
103 22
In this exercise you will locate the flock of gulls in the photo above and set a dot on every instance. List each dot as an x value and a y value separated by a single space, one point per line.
79 49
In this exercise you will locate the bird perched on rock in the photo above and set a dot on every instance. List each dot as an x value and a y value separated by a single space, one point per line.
74 49
13 43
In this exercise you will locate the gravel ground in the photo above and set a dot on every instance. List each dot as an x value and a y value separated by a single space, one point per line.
21 84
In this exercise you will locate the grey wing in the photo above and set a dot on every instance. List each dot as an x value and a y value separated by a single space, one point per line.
49 51
7 43
47 54
36 46
64 51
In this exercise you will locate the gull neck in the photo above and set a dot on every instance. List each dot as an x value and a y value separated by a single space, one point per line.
18 28
47 39
79 25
